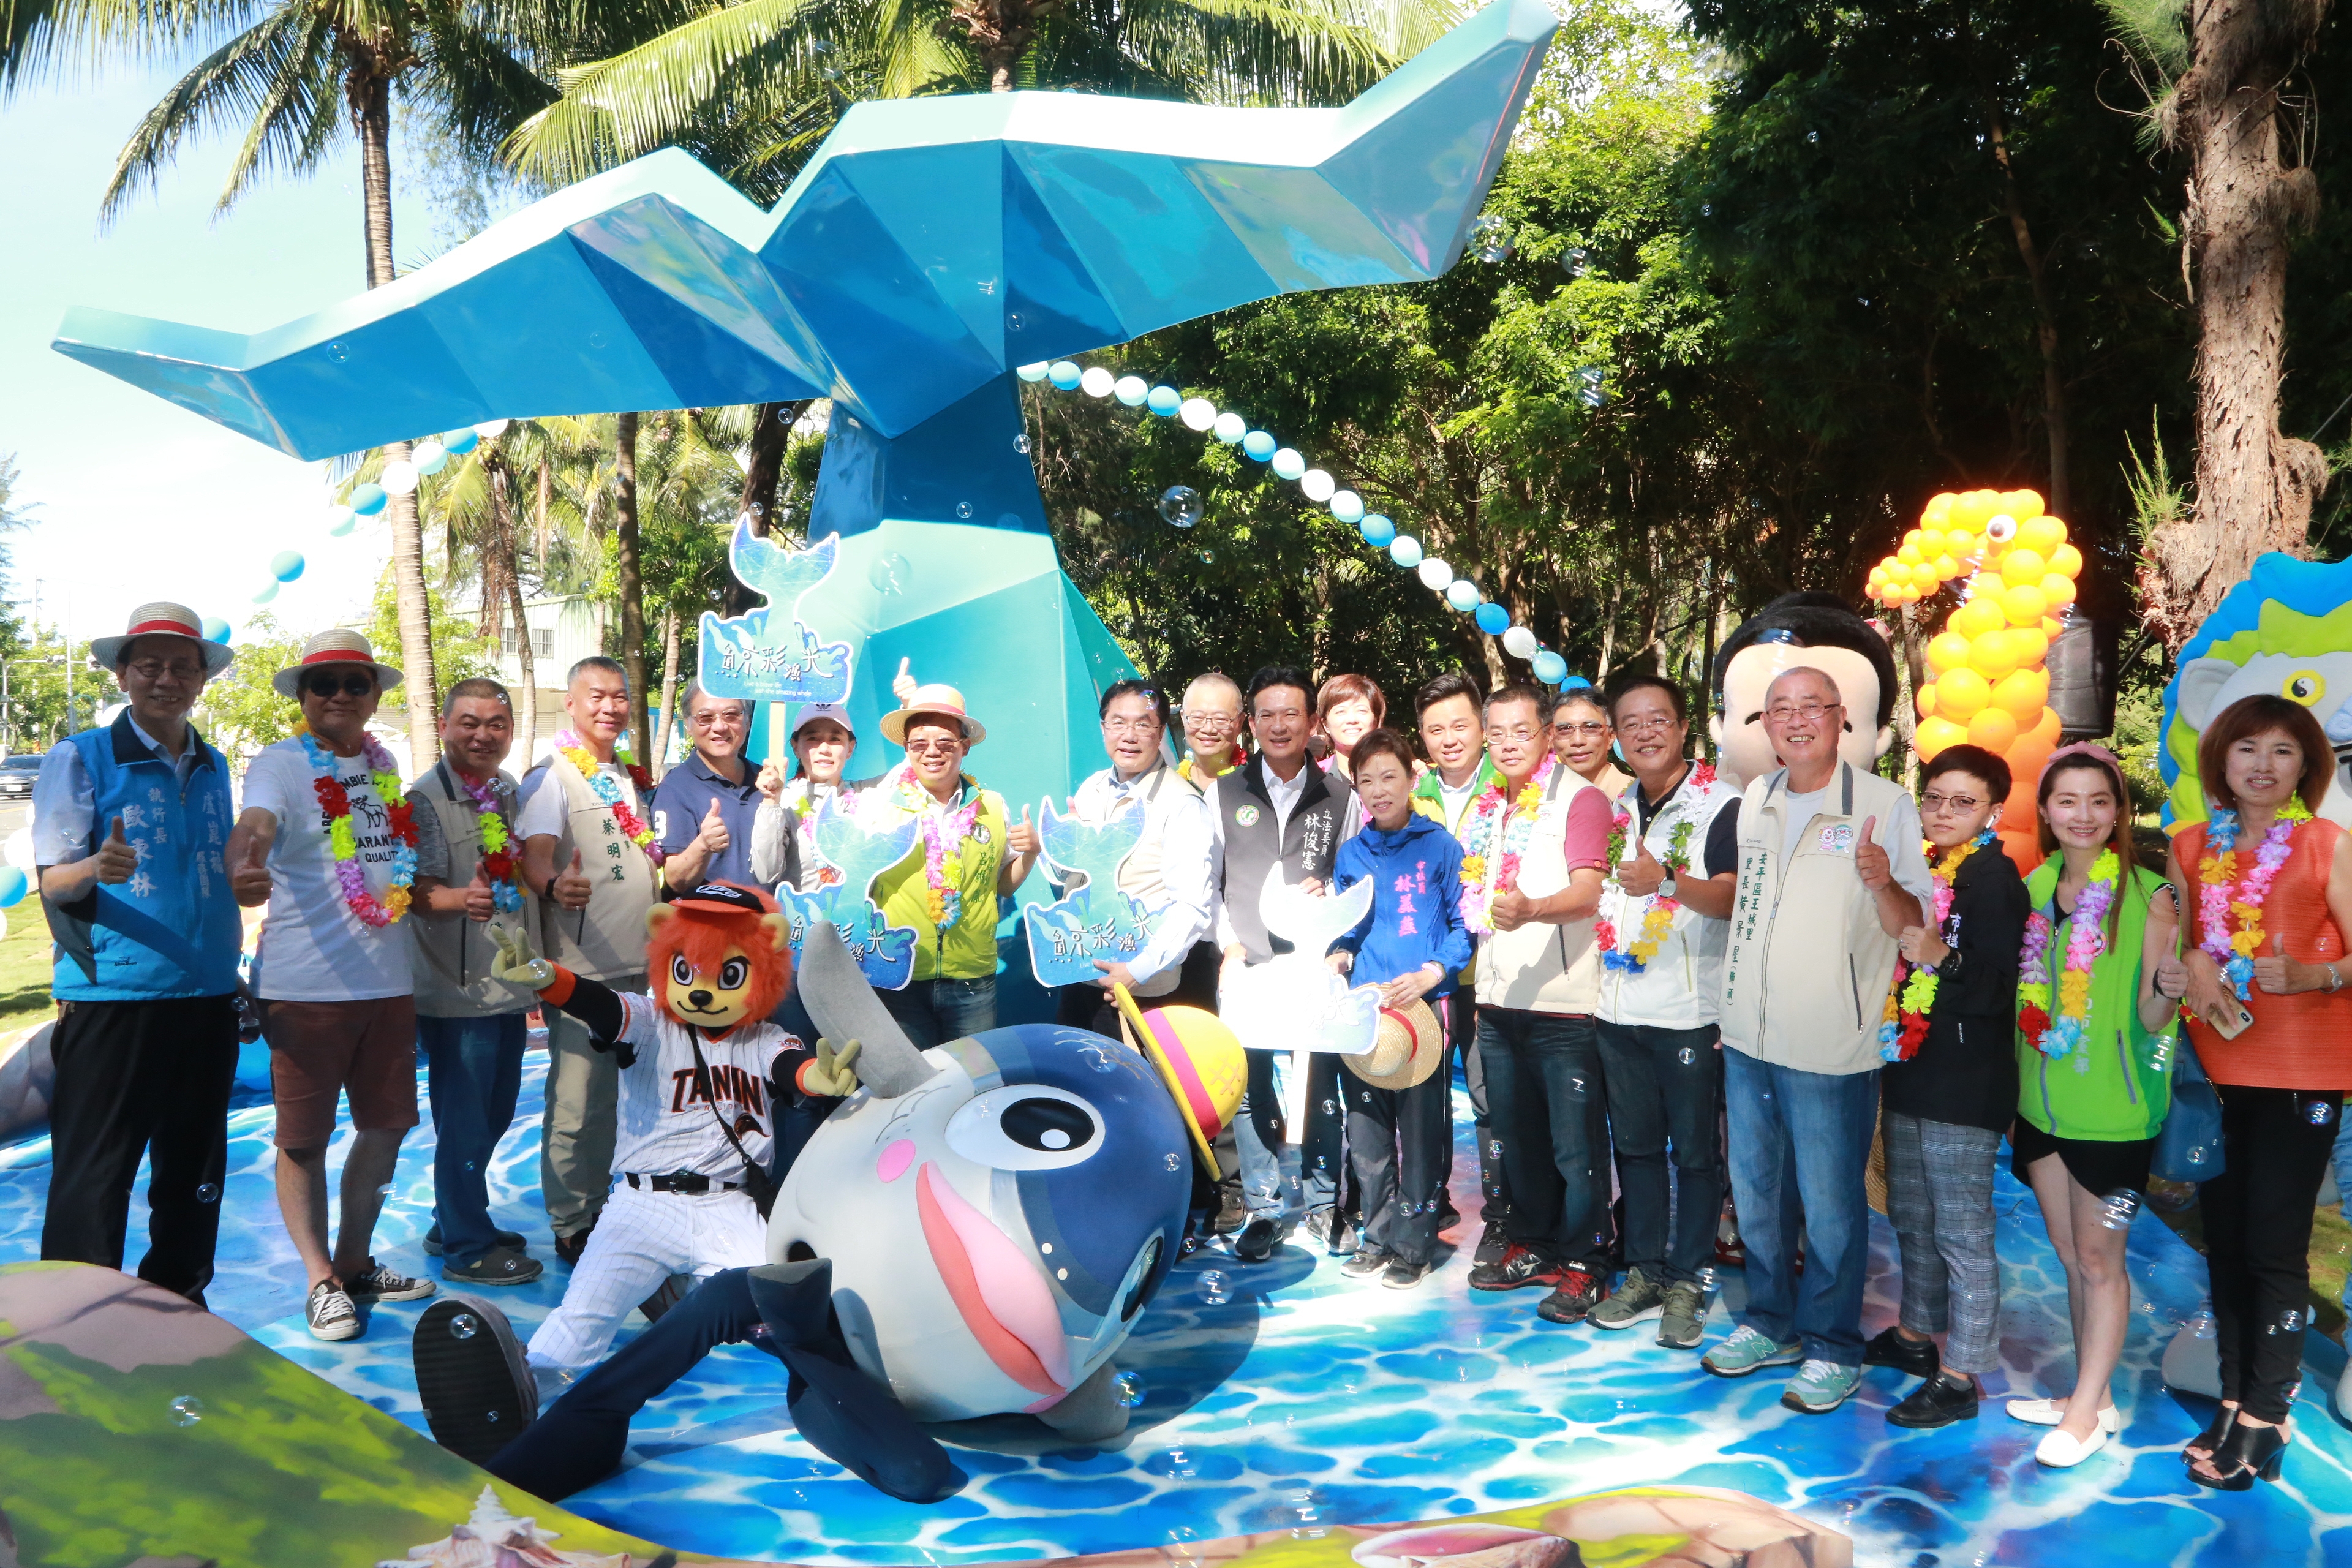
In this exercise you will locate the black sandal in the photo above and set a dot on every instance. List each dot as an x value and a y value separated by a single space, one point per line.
2210 1439
2245 1453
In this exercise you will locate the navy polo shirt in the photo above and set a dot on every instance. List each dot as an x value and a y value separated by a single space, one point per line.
682 797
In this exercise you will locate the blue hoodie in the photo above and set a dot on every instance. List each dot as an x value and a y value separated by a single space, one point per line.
1416 916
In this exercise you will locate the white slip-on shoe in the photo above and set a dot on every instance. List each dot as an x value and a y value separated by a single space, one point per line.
2060 1452
2051 1412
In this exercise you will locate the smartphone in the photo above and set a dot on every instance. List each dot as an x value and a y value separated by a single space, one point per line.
2229 1018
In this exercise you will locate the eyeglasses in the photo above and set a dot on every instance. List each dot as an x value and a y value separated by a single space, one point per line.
1810 712
1212 722
729 713
1522 734
1962 805
1147 725
348 685
939 748
156 668
1590 727
1651 726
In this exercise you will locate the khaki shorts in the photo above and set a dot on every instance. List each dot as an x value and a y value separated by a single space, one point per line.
319 1050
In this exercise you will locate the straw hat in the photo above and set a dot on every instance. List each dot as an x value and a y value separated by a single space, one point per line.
1409 1047
163 619
1203 1065
932 701
339 645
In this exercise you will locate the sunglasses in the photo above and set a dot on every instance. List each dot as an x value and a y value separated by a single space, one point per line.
348 685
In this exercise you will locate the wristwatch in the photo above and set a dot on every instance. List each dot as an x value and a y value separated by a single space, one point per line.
1666 888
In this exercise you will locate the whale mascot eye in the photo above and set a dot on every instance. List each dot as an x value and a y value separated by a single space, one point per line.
1025 1127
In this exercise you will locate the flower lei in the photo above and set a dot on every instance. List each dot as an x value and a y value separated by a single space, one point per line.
2218 900
1658 919
799 795
498 860
1478 828
342 842
608 793
1905 1028
942 844
2086 941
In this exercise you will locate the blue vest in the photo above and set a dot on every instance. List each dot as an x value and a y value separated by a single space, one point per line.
172 929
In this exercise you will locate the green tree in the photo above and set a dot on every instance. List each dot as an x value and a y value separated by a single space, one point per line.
239 710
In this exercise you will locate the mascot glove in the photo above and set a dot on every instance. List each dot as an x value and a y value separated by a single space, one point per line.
831 1076
517 961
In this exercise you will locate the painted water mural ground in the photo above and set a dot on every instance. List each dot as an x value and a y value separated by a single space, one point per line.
1283 1396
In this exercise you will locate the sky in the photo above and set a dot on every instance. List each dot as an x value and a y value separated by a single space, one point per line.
133 499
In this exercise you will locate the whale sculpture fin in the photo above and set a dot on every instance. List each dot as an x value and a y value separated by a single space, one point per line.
1311 922
845 1008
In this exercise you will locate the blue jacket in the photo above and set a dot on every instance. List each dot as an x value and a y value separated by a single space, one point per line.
1416 915
172 929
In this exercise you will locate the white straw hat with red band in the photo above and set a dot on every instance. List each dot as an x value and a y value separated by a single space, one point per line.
163 619
336 645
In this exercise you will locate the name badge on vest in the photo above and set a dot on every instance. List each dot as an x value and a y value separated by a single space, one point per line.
1837 839
1245 817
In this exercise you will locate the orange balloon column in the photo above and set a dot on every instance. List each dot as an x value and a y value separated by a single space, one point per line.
1989 679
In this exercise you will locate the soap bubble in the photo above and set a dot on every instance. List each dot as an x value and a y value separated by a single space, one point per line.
1405 550
1347 506
2115 1212
464 1326
597 340
1377 529
1063 374
1490 237
337 353
1812 137
1021 443
1520 643
1590 390
1288 465
1230 427
285 566
1707 1277
1131 1389
889 574
2317 1112
429 455
1435 574
1491 618
1184 1541
1463 594
1215 1289
460 442
207 1192
1180 506
1687 1057
1575 263
1032 373
1318 486
187 1410
1164 401
1259 445
1550 667
963 509
1013 321
1097 382
2202 1326
1131 390
398 478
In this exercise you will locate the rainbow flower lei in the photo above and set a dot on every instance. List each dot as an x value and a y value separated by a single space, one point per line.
942 844
2217 901
2057 1036
1658 918
608 793
498 860
1908 1005
342 842
1478 828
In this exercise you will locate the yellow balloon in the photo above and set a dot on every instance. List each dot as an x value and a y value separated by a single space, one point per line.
1961 544
2029 644
2050 628
2023 503
2039 531
1938 508
2057 589
1975 618
1993 729
2044 732
1912 539
1961 693
2024 605
1992 656
1934 734
1976 506
2066 561
1931 542
1926 699
1923 578
2022 693
2020 566
1947 650
1946 567
1909 555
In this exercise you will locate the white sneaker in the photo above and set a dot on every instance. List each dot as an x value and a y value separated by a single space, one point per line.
2051 1412
2062 1452
332 1314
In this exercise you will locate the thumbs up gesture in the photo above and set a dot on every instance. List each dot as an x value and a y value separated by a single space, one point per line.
1641 875
480 903
713 832
116 858
248 876
2275 971
1870 859
1022 838
572 888
903 686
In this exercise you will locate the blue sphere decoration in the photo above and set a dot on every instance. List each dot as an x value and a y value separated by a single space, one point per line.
1405 551
1550 668
1348 507
1493 619
1463 594
369 499
1377 529
1164 401
216 629
285 566
1288 465
1575 683
1032 373
13 887
268 592
1063 374
1257 444
459 442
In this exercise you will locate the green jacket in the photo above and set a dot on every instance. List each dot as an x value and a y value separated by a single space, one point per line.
967 950
2117 1087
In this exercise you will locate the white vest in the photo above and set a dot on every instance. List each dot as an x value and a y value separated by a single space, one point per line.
1140 874
1540 968
1681 986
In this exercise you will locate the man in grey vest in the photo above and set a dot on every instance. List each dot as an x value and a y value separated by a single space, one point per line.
1279 813
472 1027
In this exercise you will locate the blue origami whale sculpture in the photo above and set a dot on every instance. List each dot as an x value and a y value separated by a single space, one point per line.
930 246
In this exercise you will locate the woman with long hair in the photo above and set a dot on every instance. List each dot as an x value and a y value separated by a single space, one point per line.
2093 1051
2270 886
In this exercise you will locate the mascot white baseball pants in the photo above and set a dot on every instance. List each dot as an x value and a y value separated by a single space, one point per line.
642 1238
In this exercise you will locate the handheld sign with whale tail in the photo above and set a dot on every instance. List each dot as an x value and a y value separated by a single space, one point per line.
1293 1003
852 855
1094 919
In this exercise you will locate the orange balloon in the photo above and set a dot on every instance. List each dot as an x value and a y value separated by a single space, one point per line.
2066 561
1909 555
1976 617
2023 606
1947 650
2041 533
2057 590
1934 734
1992 656
2050 628
1993 729
2020 565
2022 692
1924 577
1947 567
2045 729
2024 503
2031 645
1961 693
1926 701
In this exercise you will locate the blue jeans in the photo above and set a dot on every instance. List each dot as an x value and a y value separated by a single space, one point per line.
1800 1146
474 1069
1544 1093
934 1012
2343 1158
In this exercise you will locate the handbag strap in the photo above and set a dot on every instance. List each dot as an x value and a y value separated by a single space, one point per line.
751 1171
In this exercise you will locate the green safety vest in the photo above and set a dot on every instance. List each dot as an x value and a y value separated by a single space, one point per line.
967 950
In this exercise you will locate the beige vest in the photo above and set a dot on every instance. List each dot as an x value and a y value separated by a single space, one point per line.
1540 968
1808 967
606 941
451 954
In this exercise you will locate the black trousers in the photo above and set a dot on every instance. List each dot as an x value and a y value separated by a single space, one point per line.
1397 1139
1663 1087
1543 1079
141 1079
1462 1039
2258 1236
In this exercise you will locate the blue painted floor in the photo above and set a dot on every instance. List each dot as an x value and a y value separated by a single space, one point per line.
1283 1395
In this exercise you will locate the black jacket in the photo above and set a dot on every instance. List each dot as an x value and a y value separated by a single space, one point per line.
1966 1071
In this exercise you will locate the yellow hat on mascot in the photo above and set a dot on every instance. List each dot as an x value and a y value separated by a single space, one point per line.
1203 1065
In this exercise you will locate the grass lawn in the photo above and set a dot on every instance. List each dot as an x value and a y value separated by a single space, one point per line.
25 968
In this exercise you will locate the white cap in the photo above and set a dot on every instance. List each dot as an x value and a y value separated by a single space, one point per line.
833 711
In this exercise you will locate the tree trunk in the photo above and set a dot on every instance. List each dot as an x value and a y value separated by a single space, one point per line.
368 91
632 578
2254 486
669 691
503 541
2045 320
539 516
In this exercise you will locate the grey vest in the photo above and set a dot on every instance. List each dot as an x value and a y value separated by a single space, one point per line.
1307 846
451 954
606 941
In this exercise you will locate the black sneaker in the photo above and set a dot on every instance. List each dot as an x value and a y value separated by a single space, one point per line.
1255 1242
1368 1260
1573 1300
377 1283
331 1312
1938 1402
472 1378
570 1247
499 1266
1448 1217
1913 1358
1335 1230
1515 1268
1492 1242
1403 1276
513 1240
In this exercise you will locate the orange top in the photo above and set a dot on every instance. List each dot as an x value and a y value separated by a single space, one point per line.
2303 1041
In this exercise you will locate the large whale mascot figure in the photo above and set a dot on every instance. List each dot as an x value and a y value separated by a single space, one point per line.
972 1231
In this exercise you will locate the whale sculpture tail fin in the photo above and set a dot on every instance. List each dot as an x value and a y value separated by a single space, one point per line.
846 1007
